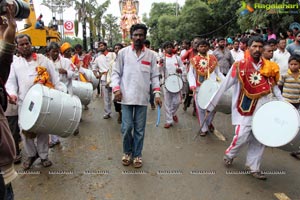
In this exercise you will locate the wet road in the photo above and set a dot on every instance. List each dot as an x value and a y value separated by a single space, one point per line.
88 166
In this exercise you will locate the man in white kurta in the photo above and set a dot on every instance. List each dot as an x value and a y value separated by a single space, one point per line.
103 64
21 78
244 105
172 66
134 69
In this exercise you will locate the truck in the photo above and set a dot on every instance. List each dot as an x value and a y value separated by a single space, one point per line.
39 37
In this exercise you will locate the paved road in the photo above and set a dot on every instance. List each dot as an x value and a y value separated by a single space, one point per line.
176 167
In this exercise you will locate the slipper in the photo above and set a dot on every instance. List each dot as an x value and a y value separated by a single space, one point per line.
46 162
126 159
137 162
227 161
29 161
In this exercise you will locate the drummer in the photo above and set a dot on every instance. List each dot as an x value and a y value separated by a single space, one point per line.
23 74
253 79
203 66
172 66
64 67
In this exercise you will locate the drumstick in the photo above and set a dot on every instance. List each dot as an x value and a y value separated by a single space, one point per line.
158 116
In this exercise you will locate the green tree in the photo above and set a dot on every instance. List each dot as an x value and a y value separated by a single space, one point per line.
113 29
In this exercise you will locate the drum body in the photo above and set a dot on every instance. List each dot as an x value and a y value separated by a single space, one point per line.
91 77
50 111
276 124
173 83
83 90
206 93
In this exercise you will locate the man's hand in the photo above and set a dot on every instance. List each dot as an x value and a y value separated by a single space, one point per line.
8 25
12 99
158 101
118 96
62 71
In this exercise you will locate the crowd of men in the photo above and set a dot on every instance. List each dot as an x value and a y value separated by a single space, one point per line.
132 77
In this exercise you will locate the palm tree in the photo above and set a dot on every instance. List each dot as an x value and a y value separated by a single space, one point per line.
110 22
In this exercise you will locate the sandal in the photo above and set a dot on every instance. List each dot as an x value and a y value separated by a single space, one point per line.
29 161
126 159
137 162
202 134
46 162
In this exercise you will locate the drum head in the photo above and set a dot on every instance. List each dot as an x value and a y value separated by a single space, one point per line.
275 123
174 83
31 107
206 92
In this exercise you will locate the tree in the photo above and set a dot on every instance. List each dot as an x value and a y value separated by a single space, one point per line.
113 29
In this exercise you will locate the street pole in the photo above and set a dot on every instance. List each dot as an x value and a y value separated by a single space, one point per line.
84 42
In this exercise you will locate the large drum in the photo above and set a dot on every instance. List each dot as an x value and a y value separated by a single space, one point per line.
276 124
173 83
50 111
208 90
83 90
91 77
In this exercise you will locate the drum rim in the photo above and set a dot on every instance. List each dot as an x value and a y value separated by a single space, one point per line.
202 88
256 134
179 79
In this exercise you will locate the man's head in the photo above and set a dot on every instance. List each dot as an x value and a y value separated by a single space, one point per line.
118 47
53 49
297 37
66 50
102 46
236 45
78 49
273 43
195 43
255 47
186 44
244 44
138 34
221 43
23 42
281 44
147 43
267 52
203 47
168 47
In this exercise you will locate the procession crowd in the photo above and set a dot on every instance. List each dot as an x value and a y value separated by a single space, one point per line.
131 77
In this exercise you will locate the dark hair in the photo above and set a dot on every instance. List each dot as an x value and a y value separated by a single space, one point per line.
78 46
203 42
272 41
119 44
188 42
147 42
101 42
255 39
168 43
220 39
293 57
135 27
297 33
52 45
21 36
244 40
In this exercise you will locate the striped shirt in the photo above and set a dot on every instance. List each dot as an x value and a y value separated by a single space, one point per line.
291 87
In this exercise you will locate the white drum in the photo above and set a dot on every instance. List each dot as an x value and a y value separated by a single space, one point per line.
208 90
173 83
276 124
50 111
91 77
83 90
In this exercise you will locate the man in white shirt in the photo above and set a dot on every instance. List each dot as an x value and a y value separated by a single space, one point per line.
22 76
103 64
281 56
135 67
236 52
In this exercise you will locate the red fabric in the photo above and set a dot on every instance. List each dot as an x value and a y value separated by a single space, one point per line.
235 139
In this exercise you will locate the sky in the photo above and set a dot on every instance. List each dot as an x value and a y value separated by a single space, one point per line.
69 13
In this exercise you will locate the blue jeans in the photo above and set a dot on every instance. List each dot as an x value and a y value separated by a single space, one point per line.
133 118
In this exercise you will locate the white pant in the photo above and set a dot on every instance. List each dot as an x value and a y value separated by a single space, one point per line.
201 116
244 135
41 147
107 92
171 103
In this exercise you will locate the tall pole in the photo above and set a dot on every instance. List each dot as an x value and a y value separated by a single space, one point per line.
176 9
84 42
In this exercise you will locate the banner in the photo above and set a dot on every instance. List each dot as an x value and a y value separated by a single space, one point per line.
69 28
